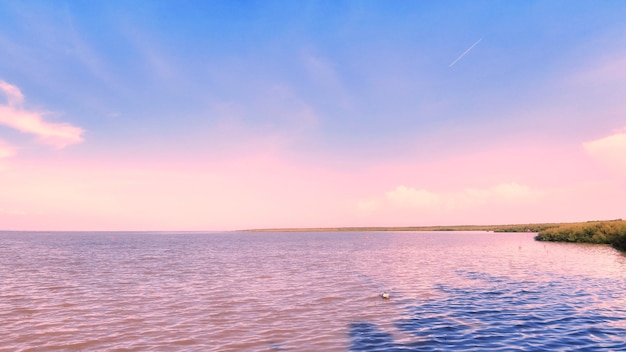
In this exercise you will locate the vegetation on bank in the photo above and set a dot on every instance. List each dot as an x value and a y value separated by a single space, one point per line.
601 232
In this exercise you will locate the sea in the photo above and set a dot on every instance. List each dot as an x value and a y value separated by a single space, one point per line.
308 291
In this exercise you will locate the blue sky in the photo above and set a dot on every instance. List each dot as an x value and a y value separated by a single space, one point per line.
339 85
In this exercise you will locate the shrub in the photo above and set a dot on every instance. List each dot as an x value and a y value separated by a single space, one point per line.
601 232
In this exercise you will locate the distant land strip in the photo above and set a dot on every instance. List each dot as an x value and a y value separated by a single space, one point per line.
611 232
494 228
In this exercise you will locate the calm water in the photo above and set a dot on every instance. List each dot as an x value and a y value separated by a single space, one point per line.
457 291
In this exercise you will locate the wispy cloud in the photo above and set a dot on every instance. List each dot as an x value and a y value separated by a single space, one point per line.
6 150
324 74
14 115
12 212
13 94
610 150
511 192
407 196
412 198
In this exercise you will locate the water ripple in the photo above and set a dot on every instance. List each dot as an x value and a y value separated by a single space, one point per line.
307 292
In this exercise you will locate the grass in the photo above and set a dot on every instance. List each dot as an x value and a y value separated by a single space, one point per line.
601 232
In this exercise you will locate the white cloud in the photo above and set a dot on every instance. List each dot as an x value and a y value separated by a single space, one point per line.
15 116
610 150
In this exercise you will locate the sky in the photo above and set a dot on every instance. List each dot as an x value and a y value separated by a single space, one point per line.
227 115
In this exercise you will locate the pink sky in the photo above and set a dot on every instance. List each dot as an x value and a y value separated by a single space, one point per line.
518 185
374 116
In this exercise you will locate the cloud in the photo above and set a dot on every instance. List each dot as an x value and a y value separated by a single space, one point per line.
6 150
502 193
610 150
12 212
323 73
608 71
13 94
15 116
406 196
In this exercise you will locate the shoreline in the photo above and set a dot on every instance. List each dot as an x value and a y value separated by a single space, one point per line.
534 227
611 232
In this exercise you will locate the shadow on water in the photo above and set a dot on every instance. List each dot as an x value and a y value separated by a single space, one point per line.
367 337
497 314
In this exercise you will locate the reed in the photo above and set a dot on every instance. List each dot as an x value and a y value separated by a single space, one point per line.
602 232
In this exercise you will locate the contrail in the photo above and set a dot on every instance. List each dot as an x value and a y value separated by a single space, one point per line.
465 52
